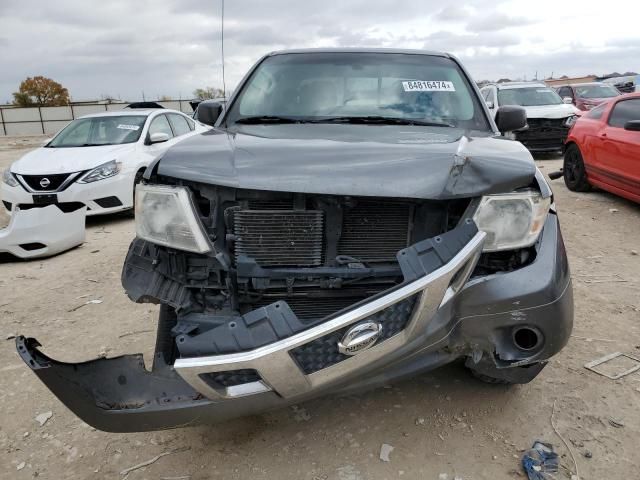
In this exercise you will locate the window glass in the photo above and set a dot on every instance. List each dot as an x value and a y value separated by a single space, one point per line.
96 131
596 91
528 96
179 124
191 123
624 112
324 86
596 113
160 124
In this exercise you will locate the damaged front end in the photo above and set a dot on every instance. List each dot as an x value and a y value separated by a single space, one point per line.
303 294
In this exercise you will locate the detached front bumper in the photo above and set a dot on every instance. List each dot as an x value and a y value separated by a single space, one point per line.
435 317
42 232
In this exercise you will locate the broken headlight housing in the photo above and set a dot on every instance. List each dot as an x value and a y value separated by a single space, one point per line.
512 220
9 179
106 170
570 121
166 216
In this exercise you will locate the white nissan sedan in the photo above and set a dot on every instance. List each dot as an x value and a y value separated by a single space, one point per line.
96 160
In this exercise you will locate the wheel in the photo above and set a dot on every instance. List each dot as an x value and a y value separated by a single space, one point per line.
575 176
487 379
486 371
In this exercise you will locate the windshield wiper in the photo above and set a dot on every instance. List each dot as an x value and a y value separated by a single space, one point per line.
375 119
267 119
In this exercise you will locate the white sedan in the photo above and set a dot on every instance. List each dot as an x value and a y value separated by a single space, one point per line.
95 161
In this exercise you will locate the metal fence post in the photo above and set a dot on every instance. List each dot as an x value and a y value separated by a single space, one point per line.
4 127
41 121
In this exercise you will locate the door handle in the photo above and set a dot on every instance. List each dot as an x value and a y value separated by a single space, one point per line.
603 134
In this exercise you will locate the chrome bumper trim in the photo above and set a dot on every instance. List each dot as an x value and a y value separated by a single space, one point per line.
282 374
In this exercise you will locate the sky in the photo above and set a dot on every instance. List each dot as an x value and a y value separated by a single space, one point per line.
122 48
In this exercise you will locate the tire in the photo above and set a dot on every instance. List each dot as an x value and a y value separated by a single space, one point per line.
486 371
491 380
575 176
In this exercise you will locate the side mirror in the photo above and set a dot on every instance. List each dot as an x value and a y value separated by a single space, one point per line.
208 112
158 137
568 100
489 104
632 125
510 118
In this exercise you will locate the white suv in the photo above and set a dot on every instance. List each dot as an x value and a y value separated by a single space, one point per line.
548 116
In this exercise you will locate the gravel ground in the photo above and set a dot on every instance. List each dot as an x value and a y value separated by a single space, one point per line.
442 422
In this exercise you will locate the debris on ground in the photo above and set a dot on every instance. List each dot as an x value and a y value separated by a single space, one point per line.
385 451
613 210
90 302
11 336
43 417
616 423
634 252
420 421
540 462
20 466
146 463
300 414
613 356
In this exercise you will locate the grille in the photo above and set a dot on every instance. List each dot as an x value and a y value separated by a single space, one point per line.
544 133
323 352
279 238
309 307
55 181
108 202
231 378
374 231
282 204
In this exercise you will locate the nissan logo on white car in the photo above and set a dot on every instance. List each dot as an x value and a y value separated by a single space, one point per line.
45 182
360 337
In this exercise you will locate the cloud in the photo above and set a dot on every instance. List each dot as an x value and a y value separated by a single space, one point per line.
454 13
171 47
498 21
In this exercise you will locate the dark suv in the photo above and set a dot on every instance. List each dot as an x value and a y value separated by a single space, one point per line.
355 217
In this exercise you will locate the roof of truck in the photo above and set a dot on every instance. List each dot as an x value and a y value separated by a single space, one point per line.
406 51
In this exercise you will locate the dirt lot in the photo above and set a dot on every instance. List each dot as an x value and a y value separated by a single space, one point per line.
440 423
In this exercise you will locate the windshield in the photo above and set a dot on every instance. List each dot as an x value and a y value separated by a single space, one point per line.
528 96
96 131
343 87
596 91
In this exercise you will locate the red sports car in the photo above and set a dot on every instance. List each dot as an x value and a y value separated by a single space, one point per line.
603 149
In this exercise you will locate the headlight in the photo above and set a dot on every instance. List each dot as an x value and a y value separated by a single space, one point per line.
105 170
511 220
570 121
9 179
166 216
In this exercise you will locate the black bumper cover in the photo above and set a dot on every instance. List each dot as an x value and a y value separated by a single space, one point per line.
120 395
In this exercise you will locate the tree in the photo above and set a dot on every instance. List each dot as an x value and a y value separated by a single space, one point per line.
208 93
42 92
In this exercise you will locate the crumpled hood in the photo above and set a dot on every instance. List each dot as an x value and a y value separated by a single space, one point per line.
50 161
551 111
363 160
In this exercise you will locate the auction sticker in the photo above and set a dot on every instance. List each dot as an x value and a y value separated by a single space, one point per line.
129 127
428 86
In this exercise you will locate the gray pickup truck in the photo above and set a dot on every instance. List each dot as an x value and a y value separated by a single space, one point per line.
354 218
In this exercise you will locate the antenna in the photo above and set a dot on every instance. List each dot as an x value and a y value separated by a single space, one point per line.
224 86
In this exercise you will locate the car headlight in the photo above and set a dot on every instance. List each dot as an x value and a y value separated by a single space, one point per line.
512 220
166 216
9 179
105 170
570 121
